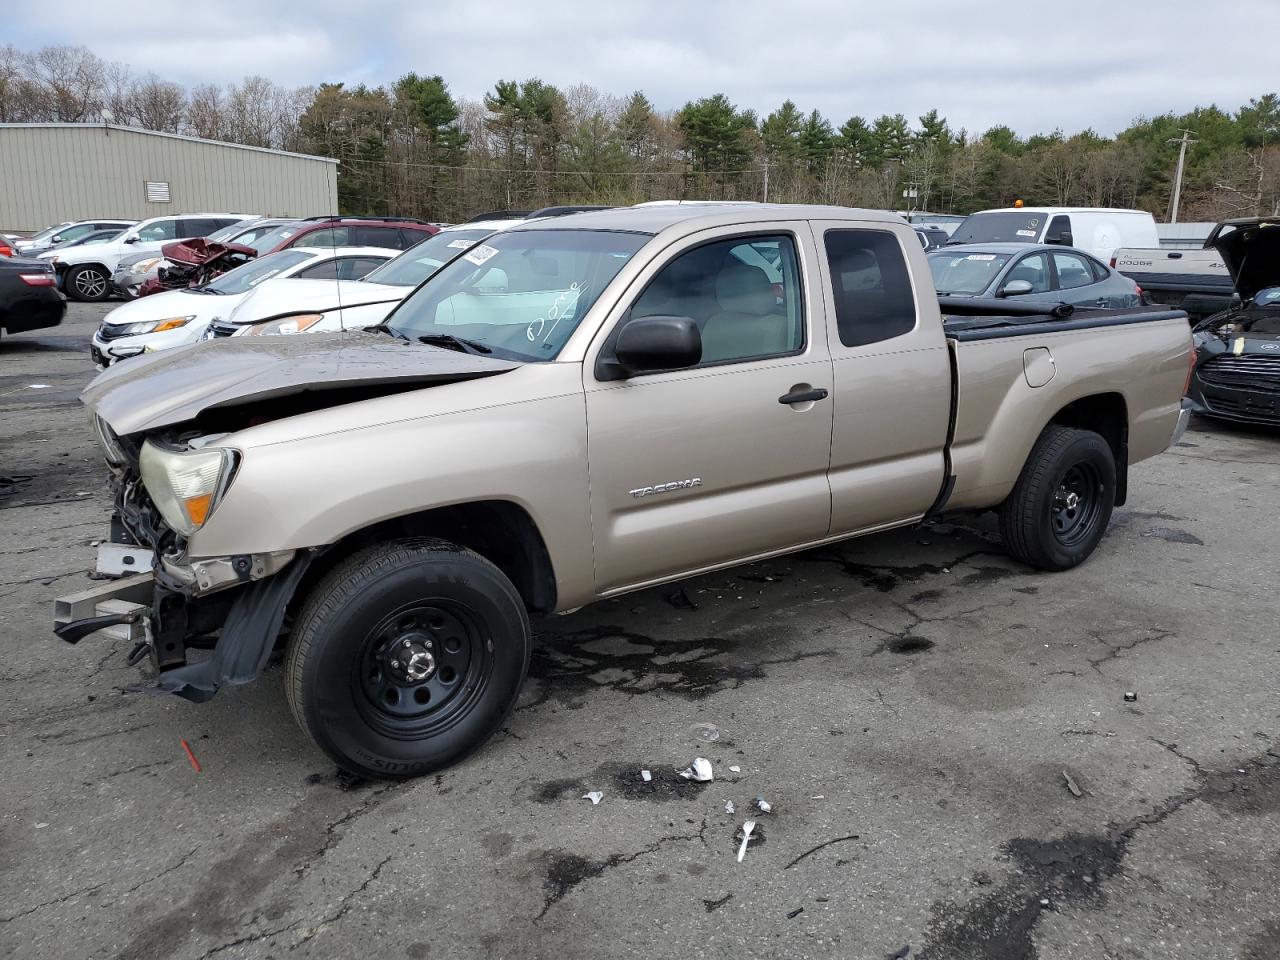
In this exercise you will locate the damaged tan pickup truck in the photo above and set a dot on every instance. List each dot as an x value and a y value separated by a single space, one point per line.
578 408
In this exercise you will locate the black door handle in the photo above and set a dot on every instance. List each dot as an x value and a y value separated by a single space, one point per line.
803 396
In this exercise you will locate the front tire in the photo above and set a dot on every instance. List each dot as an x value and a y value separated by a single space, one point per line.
1062 502
406 657
87 283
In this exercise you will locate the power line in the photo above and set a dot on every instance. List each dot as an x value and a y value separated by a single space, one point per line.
539 170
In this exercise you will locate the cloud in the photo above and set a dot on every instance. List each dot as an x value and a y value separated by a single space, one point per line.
1035 67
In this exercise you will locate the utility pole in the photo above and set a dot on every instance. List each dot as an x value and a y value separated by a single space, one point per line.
766 179
1184 141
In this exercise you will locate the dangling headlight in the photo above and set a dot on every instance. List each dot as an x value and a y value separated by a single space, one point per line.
186 485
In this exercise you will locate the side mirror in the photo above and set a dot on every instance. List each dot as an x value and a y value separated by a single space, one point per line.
131 239
1015 288
56 238
1063 239
654 343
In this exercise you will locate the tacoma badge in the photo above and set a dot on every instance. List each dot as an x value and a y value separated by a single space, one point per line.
639 492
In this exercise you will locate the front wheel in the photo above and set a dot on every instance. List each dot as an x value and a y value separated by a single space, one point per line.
406 657
87 283
1062 502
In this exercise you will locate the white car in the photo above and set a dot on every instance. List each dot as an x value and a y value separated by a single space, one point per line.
84 272
63 233
282 308
176 318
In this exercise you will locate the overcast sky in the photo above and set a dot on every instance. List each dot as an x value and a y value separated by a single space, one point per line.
1035 66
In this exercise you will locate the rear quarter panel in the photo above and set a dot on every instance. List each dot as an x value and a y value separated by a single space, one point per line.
999 415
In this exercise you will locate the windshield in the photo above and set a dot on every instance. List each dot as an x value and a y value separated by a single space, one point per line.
247 277
49 233
228 232
1006 226
965 273
422 260
520 294
273 238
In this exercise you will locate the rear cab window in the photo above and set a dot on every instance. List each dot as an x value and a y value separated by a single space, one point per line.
870 286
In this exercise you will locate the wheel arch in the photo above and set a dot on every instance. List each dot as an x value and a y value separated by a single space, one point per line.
1106 414
502 532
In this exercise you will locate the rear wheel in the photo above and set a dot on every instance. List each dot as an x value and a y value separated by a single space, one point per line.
1062 502
87 283
406 657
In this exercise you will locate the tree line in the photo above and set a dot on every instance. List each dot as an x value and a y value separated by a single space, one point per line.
412 148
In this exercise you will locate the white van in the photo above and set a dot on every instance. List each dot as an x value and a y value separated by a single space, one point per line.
1096 230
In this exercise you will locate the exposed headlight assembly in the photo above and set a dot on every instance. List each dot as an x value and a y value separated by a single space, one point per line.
111 449
151 326
186 485
299 323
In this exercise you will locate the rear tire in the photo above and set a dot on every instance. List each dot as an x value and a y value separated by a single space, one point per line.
406 657
1061 505
87 283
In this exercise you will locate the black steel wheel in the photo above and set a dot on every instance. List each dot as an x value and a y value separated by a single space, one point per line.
1062 502
1076 502
406 657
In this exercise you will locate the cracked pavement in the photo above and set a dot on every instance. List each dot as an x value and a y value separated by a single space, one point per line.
911 704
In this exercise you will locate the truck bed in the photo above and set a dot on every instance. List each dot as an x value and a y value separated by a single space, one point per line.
1015 363
967 319
1194 280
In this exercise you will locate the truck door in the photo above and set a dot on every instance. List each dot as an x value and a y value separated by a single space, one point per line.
892 377
726 460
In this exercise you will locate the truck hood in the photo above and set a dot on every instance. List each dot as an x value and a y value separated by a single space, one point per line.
196 251
175 386
1252 254
285 295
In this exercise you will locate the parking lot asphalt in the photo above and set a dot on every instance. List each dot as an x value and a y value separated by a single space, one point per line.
943 736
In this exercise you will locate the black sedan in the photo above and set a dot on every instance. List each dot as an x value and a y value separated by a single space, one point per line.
29 297
1237 363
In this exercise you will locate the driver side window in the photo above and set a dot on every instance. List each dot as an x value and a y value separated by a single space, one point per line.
1033 269
743 294
164 230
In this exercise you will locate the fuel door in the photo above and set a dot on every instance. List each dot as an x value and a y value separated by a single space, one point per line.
1038 366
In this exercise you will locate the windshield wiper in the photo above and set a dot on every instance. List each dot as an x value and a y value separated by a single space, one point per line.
392 331
450 342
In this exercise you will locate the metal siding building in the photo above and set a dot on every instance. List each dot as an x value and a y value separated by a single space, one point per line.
50 172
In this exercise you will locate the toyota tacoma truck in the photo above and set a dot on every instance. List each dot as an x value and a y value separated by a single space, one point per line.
577 408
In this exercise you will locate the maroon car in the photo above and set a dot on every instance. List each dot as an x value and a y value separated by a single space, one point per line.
196 262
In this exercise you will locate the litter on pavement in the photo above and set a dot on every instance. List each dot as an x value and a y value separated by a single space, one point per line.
699 770
646 776
746 838
595 796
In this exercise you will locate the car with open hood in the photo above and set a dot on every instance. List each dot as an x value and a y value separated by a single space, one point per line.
573 409
138 273
174 318
1237 369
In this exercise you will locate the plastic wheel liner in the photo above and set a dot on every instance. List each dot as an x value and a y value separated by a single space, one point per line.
244 643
